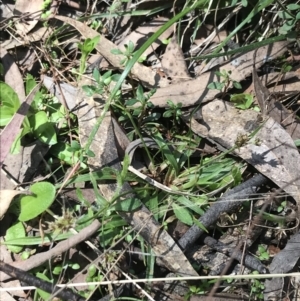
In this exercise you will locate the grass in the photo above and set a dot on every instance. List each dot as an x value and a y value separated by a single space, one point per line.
203 178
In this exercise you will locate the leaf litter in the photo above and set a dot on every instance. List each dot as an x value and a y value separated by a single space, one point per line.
267 142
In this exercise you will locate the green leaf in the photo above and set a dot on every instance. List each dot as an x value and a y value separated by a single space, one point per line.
297 142
130 204
140 93
92 270
44 295
106 75
115 77
33 205
293 6
130 47
167 152
131 102
215 86
237 85
96 75
75 146
196 207
244 3
37 240
167 114
242 101
6 115
116 51
9 103
284 15
16 146
15 231
30 83
65 153
42 128
89 90
237 176
196 222
89 44
183 214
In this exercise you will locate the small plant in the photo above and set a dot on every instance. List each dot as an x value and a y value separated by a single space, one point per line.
257 287
46 9
282 207
128 53
225 82
242 101
102 83
45 112
290 16
201 289
86 48
173 110
263 253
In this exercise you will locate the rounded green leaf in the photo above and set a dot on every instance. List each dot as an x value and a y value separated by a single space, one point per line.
9 103
15 231
33 205
42 128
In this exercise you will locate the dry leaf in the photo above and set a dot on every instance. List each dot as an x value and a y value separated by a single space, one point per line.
37 34
195 91
146 75
6 196
271 151
34 8
270 106
173 62
140 35
283 262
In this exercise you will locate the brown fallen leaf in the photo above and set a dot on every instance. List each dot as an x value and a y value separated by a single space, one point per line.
33 8
282 263
146 75
195 91
271 107
37 34
173 62
271 151
140 35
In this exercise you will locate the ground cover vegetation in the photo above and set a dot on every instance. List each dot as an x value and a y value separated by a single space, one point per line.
149 150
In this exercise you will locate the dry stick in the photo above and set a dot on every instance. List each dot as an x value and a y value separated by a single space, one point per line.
237 251
63 246
66 293
228 202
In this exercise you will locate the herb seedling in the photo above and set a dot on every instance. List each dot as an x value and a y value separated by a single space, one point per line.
128 53
263 253
242 101
224 84
173 110
257 287
86 48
